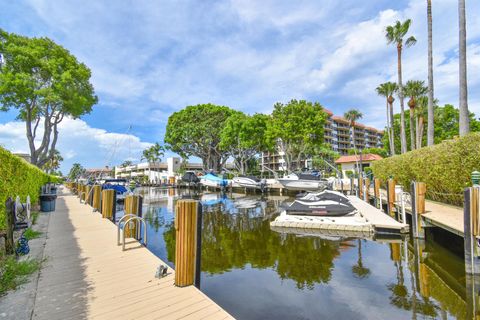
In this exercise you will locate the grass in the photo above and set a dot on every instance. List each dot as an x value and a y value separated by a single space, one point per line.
34 216
31 234
14 273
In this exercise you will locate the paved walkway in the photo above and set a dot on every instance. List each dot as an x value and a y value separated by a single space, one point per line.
87 276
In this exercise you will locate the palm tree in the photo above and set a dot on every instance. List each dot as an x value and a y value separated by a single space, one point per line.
421 112
54 162
387 90
353 115
414 89
430 129
464 121
152 155
359 270
395 35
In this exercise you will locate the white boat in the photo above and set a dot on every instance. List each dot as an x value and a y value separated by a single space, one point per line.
250 182
303 181
211 180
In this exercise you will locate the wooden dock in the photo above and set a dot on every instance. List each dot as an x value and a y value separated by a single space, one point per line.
87 276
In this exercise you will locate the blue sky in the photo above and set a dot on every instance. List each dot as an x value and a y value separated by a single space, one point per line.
150 58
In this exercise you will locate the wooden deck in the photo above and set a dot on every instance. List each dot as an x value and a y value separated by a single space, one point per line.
87 276
437 214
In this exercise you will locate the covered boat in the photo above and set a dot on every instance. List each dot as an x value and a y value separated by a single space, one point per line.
326 203
303 181
211 180
190 178
119 185
250 182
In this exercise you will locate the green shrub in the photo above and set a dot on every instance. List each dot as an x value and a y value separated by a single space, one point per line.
18 177
349 173
445 168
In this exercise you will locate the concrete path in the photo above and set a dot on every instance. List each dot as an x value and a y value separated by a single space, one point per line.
87 276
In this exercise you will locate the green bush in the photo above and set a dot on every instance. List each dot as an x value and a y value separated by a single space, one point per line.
18 177
446 168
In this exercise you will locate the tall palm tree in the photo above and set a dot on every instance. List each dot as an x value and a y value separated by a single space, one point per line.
395 34
414 89
421 112
352 116
152 155
387 90
464 121
430 128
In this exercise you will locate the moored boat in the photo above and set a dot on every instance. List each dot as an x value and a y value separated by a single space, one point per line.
303 182
250 182
212 180
119 185
326 203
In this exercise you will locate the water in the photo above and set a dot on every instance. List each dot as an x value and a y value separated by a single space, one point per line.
256 273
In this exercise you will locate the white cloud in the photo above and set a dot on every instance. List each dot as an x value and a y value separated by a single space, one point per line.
78 142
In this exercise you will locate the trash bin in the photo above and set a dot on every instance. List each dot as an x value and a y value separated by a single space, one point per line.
47 202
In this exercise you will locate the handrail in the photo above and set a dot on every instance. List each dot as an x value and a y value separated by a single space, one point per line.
120 227
137 220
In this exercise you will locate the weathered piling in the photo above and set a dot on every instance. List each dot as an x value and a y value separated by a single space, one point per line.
376 192
97 198
471 216
88 195
188 219
133 205
390 196
366 188
109 207
418 190
360 187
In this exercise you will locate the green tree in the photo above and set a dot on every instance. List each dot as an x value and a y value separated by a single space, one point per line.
244 137
45 83
296 128
387 90
430 129
462 60
76 172
126 163
415 89
352 116
153 154
54 163
196 131
379 151
395 34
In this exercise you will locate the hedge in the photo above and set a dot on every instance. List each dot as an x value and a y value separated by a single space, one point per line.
446 168
18 177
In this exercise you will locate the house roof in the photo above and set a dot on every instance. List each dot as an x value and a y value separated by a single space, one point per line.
353 158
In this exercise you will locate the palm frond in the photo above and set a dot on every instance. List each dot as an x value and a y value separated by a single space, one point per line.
410 41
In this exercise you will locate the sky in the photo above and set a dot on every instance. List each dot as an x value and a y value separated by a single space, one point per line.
151 58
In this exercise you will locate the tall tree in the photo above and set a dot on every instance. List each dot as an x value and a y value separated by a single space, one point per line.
76 172
295 129
430 128
395 34
462 60
196 131
45 83
153 154
414 89
387 90
54 163
352 116
244 137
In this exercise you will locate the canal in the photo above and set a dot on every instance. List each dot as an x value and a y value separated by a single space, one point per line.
254 272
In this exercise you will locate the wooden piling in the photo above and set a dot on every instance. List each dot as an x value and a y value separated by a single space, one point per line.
367 188
187 235
97 198
132 205
109 204
417 193
390 196
395 252
360 187
471 216
88 195
376 192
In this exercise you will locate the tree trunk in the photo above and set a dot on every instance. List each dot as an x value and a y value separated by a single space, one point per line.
403 136
412 130
420 129
392 125
389 133
464 121
431 128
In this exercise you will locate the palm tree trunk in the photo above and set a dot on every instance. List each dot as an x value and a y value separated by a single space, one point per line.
403 137
412 130
389 132
464 121
430 129
392 129
420 128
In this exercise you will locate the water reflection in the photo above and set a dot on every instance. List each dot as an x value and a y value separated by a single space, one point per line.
256 273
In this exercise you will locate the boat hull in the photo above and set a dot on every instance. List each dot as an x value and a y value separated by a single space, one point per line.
303 185
246 183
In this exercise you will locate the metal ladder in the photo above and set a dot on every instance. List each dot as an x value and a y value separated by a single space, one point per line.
130 220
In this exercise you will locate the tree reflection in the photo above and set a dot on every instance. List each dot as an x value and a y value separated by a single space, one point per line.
359 270
232 241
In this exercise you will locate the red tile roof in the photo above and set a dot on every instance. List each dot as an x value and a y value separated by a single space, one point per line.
353 158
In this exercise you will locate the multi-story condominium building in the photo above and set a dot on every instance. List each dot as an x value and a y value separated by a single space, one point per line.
339 135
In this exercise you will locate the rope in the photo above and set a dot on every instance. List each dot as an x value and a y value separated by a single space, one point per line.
22 245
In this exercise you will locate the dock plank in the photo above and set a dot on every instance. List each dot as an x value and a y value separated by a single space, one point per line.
87 276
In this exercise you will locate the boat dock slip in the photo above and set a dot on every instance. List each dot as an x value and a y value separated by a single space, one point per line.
368 222
86 275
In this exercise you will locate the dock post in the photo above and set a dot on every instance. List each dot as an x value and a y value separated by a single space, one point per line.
471 213
351 185
109 204
133 205
360 187
390 196
97 198
187 246
367 189
418 208
376 193
88 196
